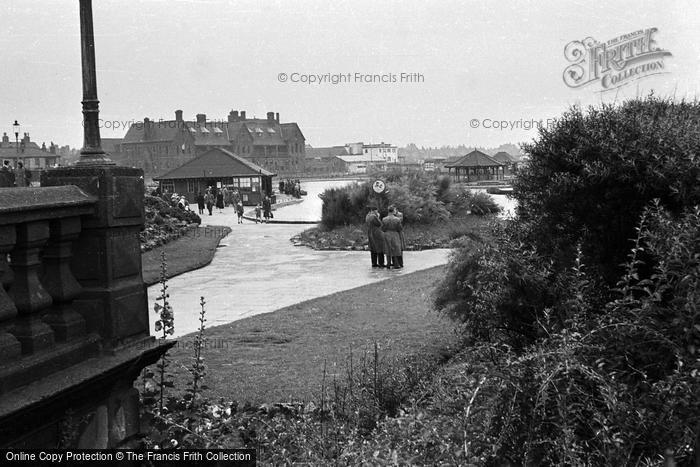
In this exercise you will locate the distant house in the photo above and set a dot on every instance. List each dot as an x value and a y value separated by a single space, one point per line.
476 166
218 168
33 156
159 146
324 161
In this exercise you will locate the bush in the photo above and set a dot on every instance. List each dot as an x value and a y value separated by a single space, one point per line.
591 174
577 379
422 198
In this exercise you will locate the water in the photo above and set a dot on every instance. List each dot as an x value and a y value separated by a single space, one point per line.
258 270
310 208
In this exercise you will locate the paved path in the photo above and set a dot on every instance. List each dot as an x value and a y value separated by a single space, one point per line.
258 270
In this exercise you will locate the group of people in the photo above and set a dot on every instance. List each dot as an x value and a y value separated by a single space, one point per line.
219 198
264 209
17 176
290 187
385 237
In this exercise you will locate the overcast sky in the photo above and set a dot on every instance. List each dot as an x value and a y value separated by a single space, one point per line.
480 60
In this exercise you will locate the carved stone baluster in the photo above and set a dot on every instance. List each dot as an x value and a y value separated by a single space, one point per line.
9 345
29 295
59 282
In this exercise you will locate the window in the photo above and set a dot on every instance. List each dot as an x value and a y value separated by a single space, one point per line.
192 186
37 162
245 182
167 186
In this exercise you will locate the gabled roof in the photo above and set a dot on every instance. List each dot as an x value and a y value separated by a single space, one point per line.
504 157
216 162
164 130
474 159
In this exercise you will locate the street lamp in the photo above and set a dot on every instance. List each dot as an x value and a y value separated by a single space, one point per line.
15 127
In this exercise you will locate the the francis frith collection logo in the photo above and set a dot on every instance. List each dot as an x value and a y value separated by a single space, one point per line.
614 63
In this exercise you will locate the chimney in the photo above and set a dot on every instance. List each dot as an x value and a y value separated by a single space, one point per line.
277 117
26 138
233 116
178 115
43 146
52 148
5 138
202 119
242 114
270 117
147 128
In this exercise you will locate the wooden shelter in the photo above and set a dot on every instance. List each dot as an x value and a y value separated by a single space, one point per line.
475 166
218 168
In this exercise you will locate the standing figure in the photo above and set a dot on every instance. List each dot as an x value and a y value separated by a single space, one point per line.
392 228
258 210
227 196
399 215
267 208
220 200
7 178
209 201
239 211
20 175
200 202
375 237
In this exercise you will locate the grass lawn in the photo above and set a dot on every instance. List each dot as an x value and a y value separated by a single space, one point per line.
280 356
193 250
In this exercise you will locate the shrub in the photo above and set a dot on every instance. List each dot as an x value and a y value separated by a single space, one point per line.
482 204
422 198
577 379
591 174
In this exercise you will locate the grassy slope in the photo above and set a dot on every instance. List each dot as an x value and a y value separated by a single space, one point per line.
280 356
191 251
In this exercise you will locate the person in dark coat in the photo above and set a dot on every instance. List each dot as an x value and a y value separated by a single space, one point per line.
220 200
200 202
375 237
7 178
392 228
209 201
267 208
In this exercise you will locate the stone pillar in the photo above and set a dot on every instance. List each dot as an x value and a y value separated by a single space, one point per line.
107 256
59 281
9 345
26 290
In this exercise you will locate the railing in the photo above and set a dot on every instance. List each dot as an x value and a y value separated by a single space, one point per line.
40 331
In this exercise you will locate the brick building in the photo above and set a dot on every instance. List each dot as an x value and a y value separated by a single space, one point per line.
159 146
30 154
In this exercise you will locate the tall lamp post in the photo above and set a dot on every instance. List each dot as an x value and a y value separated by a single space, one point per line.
15 127
91 153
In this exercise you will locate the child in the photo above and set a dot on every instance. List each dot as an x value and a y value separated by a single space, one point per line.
258 210
239 211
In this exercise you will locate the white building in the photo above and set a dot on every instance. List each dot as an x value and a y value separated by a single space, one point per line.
382 151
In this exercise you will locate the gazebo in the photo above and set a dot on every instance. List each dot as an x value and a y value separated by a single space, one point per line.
218 168
475 166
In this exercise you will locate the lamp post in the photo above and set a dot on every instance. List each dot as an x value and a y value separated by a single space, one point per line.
91 153
15 127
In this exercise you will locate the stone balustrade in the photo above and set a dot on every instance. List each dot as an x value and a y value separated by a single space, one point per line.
74 332
40 331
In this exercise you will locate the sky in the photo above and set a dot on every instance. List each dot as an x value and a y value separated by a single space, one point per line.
475 64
